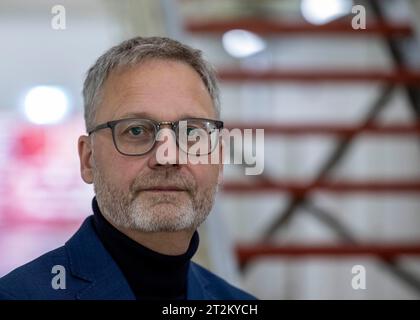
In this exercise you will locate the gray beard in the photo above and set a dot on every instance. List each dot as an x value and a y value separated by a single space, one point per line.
154 213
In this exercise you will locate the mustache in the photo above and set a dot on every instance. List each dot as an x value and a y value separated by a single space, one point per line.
163 179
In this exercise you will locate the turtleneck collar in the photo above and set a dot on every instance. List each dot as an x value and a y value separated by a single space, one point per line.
151 275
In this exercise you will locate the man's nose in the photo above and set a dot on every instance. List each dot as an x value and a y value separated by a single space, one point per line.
165 152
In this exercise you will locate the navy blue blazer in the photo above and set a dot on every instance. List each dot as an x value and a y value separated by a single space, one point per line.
91 273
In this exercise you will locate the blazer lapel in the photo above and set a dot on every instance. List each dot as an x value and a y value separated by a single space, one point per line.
90 261
197 285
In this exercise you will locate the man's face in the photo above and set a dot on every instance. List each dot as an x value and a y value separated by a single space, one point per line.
136 192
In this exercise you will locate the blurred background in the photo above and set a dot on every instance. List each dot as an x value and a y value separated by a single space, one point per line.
340 108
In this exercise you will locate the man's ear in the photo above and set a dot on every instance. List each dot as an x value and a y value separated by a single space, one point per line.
85 157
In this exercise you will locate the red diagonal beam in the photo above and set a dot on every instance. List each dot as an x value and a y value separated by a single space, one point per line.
246 253
300 188
276 27
329 129
396 77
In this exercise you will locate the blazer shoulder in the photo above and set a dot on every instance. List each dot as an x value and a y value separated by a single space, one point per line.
29 280
219 287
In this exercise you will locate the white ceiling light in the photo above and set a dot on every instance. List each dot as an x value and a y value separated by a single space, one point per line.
241 43
324 11
45 105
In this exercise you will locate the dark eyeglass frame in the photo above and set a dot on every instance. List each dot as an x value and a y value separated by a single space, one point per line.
157 125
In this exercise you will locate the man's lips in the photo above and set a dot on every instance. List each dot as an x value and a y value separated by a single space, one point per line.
164 189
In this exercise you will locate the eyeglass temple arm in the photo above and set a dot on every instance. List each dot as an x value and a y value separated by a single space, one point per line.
99 127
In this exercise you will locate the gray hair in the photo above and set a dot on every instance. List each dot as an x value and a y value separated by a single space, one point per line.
134 51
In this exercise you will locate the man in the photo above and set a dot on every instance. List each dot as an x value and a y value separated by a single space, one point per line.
148 204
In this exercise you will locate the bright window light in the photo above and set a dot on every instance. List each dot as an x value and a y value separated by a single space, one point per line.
324 11
241 43
45 105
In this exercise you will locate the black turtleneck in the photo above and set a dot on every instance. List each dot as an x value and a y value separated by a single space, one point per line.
151 275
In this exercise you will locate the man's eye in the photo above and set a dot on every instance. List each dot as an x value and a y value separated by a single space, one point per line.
136 131
191 130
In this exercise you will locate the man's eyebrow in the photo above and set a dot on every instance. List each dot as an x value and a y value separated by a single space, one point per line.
146 115
135 115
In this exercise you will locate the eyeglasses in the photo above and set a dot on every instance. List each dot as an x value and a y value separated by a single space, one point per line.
135 137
